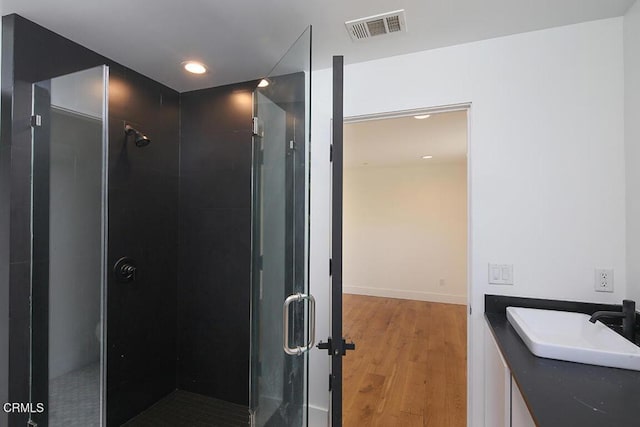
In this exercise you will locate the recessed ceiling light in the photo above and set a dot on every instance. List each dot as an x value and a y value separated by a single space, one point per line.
427 157
422 116
194 67
263 83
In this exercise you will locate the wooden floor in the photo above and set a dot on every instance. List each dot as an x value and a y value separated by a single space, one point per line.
409 367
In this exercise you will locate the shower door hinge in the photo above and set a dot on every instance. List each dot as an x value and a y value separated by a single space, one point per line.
330 267
331 152
330 382
36 120
257 127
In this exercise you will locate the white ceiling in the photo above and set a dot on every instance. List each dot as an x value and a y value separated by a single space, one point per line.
403 141
242 40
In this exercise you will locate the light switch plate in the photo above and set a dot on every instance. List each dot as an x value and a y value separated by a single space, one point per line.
501 274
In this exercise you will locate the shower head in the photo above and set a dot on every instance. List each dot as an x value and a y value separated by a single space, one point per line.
141 140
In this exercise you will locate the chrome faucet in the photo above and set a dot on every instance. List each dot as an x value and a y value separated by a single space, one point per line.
628 315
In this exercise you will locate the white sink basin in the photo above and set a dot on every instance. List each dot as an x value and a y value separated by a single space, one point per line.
569 336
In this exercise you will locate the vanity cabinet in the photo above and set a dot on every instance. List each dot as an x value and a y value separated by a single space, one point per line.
520 416
504 405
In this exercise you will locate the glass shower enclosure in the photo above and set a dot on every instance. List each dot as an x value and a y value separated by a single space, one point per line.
69 221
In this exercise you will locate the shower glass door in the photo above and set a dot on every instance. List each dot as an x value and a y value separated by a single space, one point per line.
282 311
68 249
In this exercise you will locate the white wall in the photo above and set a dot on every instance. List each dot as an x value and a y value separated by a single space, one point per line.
320 243
546 162
75 256
405 231
632 145
82 92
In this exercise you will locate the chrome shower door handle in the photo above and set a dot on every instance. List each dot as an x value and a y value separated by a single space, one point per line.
296 351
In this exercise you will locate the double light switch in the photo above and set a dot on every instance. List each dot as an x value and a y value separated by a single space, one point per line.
501 274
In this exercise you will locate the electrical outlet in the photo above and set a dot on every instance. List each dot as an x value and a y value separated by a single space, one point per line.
603 280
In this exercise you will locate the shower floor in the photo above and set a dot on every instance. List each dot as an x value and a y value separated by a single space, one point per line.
182 408
74 398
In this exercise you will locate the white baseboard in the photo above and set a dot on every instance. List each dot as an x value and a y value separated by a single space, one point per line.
403 294
318 417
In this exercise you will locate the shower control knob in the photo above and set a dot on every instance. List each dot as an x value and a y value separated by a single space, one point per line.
125 269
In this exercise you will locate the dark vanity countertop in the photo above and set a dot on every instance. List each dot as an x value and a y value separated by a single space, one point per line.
560 393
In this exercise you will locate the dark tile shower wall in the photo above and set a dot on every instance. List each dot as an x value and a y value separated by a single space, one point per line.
215 242
143 225
5 195
143 215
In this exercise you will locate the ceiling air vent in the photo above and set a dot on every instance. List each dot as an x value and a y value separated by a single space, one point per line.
377 25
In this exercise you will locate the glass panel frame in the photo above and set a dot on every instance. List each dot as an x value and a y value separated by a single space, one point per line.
280 239
68 108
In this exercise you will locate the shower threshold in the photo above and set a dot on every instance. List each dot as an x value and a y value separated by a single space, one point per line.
183 408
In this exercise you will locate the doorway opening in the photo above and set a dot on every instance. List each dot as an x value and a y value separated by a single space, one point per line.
405 281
